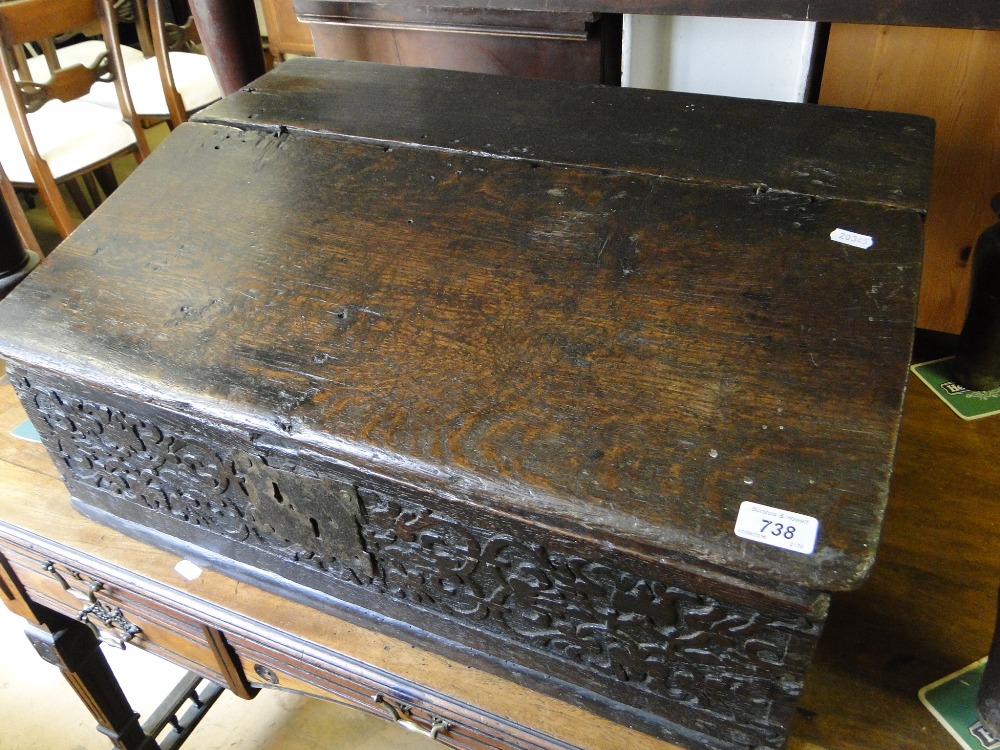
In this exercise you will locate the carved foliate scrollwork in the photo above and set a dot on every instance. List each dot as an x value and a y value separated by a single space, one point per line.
650 635
138 461
661 639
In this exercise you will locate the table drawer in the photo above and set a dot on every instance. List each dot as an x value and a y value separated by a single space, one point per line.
342 680
120 615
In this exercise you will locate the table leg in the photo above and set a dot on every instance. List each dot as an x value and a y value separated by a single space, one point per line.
231 37
73 647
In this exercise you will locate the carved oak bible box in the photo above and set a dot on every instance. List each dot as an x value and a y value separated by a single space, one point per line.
594 387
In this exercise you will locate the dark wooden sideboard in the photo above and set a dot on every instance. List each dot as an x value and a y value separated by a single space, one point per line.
972 14
583 47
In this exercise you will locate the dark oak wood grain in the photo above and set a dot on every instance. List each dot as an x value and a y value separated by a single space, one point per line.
824 152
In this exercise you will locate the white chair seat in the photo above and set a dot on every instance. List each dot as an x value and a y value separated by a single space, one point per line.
70 136
193 78
81 53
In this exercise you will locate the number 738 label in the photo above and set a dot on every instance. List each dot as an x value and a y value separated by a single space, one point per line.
777 527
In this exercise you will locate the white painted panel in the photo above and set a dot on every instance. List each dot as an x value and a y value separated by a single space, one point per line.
726 56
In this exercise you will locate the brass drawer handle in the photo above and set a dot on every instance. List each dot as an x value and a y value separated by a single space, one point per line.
112 619
401 716
87 596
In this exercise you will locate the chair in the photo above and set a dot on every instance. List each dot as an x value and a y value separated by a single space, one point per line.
39 67
87 52
170 81
166 79
61 137
187 77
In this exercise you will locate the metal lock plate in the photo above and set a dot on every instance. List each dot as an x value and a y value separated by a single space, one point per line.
322 515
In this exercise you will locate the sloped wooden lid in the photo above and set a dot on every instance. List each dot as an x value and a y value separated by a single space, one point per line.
618 313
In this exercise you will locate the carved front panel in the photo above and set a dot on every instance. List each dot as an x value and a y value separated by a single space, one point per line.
656 641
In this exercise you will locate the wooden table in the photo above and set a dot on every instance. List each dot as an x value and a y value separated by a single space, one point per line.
924 614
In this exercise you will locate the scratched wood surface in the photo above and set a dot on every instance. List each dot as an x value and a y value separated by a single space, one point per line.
826 152
626 352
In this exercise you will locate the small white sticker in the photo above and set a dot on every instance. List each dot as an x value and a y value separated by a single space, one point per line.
187 569
776 527
852 238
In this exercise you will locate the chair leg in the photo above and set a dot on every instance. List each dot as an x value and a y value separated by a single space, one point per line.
91 184
73 188
106 177
56 207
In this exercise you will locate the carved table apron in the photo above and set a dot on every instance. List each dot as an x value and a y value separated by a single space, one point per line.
397 345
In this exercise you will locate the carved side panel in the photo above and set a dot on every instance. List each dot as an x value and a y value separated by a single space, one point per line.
651 640
727 662
136 460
